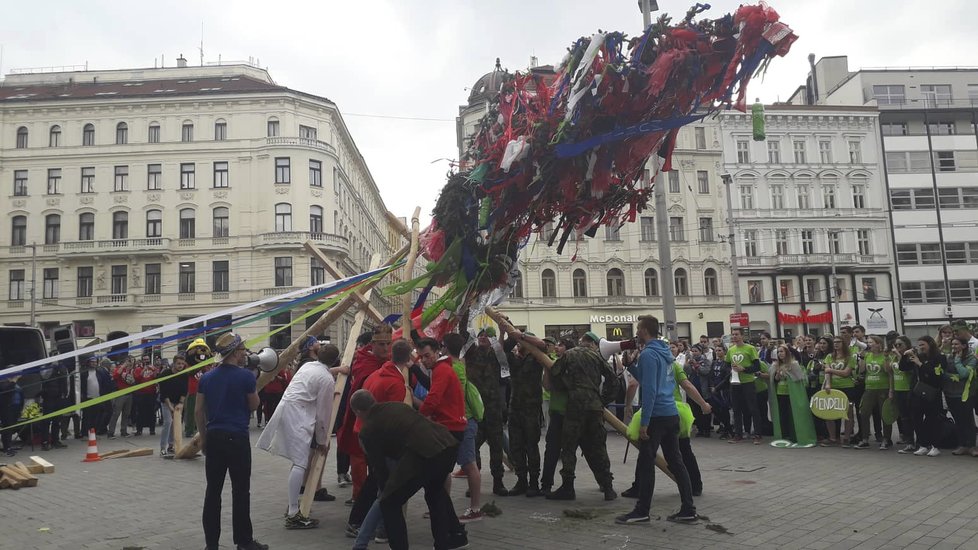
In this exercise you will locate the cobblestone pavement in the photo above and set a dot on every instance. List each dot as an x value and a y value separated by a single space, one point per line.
755 497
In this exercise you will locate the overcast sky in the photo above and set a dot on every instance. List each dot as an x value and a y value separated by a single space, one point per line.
414 58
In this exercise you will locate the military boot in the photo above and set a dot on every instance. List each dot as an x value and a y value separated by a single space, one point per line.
533 489
565 492
498 488
519 488
609 492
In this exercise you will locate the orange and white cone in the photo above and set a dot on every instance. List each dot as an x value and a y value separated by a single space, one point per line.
92 454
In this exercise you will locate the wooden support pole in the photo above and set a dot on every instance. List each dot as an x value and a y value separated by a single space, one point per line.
406 323
310 246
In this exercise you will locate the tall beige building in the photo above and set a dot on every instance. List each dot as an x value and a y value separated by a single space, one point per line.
137 198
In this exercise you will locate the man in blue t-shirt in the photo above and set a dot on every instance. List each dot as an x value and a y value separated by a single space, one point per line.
226 397
659 426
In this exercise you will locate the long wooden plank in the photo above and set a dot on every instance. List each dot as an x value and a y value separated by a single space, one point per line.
310 246
144 451
32 469
406 323
48 467
10 483
178 428
25 478
111 454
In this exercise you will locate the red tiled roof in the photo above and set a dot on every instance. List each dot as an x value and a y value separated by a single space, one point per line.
136 88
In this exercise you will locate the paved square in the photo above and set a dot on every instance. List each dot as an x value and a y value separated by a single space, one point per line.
801 498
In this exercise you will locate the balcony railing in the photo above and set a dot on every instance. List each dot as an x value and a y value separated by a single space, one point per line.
824 259
302 142
809 213
112 299
297 238
281 239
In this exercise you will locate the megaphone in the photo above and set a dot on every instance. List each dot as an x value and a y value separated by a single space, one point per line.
609 348
265 360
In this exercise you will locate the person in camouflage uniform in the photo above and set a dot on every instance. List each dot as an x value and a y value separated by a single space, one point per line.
578 372
482 369
525 422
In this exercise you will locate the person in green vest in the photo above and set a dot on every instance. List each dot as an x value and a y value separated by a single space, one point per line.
763 426
816 379
745 363
786 370
903 382
878 374
839 368
958 386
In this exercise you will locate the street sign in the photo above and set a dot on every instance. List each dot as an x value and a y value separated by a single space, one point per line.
739 320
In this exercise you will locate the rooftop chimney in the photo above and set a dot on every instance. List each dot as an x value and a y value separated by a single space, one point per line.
181 61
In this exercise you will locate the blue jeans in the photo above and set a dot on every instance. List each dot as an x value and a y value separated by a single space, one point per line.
166 435
373 521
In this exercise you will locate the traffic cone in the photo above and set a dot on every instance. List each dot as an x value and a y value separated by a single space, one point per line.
92 454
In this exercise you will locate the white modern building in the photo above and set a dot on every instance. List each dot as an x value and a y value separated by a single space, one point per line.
927 127
137 198
603 284
808 200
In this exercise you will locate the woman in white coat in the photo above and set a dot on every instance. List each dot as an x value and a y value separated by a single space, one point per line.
300 424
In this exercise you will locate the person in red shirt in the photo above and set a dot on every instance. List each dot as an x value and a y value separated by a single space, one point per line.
124 377
145 398
445 402
197 352
387 383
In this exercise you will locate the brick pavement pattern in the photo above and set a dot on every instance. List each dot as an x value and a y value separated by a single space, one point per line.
791 499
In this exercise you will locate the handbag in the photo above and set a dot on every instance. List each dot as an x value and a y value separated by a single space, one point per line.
926 392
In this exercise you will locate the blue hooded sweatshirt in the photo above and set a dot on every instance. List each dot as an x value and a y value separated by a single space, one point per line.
654 373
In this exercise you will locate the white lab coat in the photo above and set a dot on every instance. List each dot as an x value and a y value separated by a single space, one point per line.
305 411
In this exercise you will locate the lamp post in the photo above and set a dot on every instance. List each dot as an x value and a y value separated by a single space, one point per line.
734 270
33 281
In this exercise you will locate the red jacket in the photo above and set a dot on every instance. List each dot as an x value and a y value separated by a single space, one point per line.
123 377
146 373
364 364
386 384
445 403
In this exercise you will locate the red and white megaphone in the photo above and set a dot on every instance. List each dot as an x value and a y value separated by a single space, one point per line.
609 348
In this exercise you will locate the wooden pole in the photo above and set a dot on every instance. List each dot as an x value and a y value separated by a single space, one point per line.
310 246
547 362
406 323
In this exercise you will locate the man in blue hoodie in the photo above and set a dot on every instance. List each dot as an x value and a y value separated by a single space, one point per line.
659 427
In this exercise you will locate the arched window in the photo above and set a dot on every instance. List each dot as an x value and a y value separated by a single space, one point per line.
52 229
220 129
154 133
548 284
188 223
18 231
579 280
22 137
616 282
154 224
651 282
121 133
283 217
710 282
120 225
222 222
316 219
54 136
88 134
681 282
86 226
273 127
517 291
187 131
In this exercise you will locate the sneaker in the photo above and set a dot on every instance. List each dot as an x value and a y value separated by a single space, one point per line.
459 473
757 440
631 492
344 480
632 517
323 496
907 450
684 517
253 545
10 452
862 444
934 451
45 446
126 434
921 451
458 541
381 536
960 451
470 515
846 444
697 491
885 445
352 531
299 521
58 445
111 436
171 450
349 501
735 439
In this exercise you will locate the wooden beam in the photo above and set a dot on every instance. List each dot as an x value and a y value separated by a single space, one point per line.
310 246
32 469
48 467
407 324
144 451
111 454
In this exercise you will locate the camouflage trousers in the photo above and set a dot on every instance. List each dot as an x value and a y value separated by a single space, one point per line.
524 442
491 432
585 429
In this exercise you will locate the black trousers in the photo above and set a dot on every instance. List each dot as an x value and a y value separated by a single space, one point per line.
743 397
551 452
926 416
784 413
227 454
145 405
366 498
663 431
431 478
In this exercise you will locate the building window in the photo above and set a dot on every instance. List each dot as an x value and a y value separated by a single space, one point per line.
616 282
781 241
889 94
188 278
517 282
154 224
804 200
682 286
710 287
187 132
703 181
673 181
18 231
281 335
317 273
222 276
54 136
220 130
316 220
307 132
50 283
120 225
651 282
746 197
84 279
121 182
648 228
273 127
941 128
315 173
153 279
16 291
835 242
283 271
862 239
893 128
963 292
828 196
187 175
777 197
706 230
855 152
20 183
283 217
22 137
750 243
88 179
154 177
121 133
283 170
188 223
579 280
935 95
221 179
774 152
548 284
222 222
859 196
801 155
943 160
54 181
119 283
86 226
807 241
154 133
88 134
676 230
918 254
700 133
923 292
52 229
825 151
612 233
743 151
